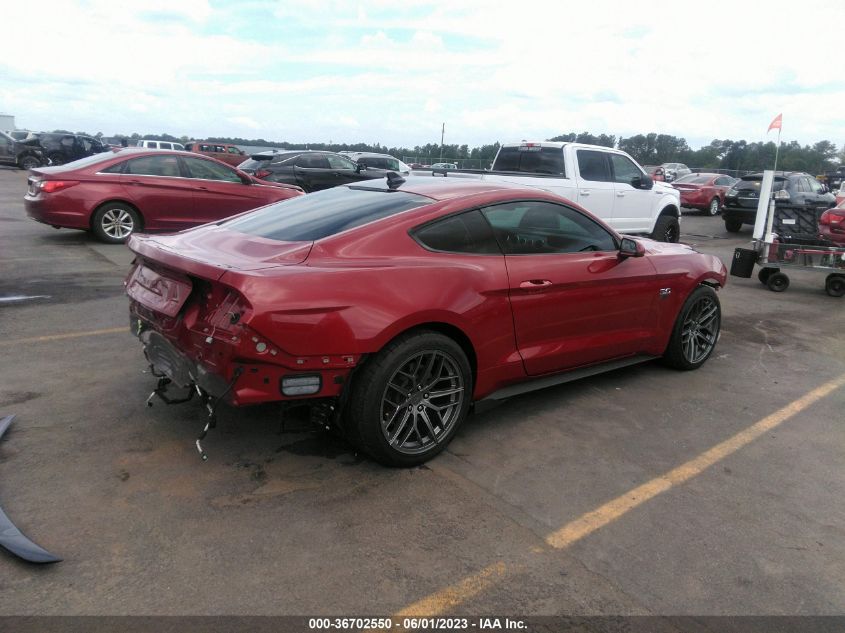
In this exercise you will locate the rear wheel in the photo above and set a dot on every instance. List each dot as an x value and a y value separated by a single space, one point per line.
667 229
696 330
777 282
409 400
714 207
733 226
114 222
834 285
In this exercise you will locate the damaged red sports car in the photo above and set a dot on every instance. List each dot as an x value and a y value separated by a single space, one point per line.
392 306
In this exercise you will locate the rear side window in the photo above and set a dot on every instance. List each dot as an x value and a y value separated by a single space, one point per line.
535 159
251 163
464 233
324 213
166 146
312 161
154 166
592 165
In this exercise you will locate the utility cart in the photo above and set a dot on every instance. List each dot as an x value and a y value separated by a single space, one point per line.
788 237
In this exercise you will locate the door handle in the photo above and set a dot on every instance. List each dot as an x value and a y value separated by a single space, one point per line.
584 192
201 188
134 182
620 194
533 284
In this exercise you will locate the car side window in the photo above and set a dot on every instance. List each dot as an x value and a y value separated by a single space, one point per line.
799 184
815 185
312 161
533 227
592 165
339 162
208 170
4 142
624 170
219 148
154 166
234 150
114 169
393 164
723 181
466 232
165 146
205 148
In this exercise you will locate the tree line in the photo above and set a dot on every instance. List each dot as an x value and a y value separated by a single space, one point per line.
647 149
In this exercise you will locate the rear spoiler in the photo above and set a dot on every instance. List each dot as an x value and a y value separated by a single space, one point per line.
11 537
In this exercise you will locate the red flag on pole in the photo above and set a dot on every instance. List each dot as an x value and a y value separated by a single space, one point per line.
776 123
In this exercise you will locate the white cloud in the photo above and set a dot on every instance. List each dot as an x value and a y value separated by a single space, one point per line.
394 72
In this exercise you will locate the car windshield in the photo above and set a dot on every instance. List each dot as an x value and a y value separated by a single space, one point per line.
89 160
693 179
325 213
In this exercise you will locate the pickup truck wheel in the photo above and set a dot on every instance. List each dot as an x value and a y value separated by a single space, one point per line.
696 330
714 207
114 222
733 226
409 400
667 229
29 162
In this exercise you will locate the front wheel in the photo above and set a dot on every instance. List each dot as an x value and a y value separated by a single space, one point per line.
667 229
714 207
834 285
696 330
29 162
114 222
409 400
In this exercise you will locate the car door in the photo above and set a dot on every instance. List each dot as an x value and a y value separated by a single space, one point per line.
345 170
574 300
313 172
219 191
595 184
631 205
156 185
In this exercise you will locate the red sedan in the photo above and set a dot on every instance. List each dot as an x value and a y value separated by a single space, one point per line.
115 194
832 225
705 192
392 306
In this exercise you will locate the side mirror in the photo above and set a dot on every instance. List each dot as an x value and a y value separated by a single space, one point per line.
642 182
359 167
630 248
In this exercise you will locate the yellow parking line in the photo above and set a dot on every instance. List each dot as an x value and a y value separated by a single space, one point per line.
612 510
441 601
59 337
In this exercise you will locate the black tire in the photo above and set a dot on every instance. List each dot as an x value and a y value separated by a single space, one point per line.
714 208
688 325
764 273
29 162
777 282
114 222
733 226
834 285
666 229
372 393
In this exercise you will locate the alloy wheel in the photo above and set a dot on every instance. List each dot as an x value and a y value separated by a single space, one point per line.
700 329
117 223
421 402
714 206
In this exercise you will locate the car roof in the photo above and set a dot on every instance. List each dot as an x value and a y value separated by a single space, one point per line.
438 188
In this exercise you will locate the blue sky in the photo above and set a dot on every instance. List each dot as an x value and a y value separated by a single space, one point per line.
392 72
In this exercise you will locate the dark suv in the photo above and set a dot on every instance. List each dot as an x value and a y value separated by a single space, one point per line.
795 189
64 148
308 169
23 154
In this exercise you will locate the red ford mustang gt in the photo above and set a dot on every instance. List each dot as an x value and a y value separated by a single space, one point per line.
392 306
115 194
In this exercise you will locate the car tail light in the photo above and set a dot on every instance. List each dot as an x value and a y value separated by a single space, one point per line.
51 186
835 219
783 194
262 173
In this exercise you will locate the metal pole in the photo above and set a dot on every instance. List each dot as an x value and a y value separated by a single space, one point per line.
442 134
777 149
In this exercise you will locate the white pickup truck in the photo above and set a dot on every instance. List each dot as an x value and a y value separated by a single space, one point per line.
605 181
